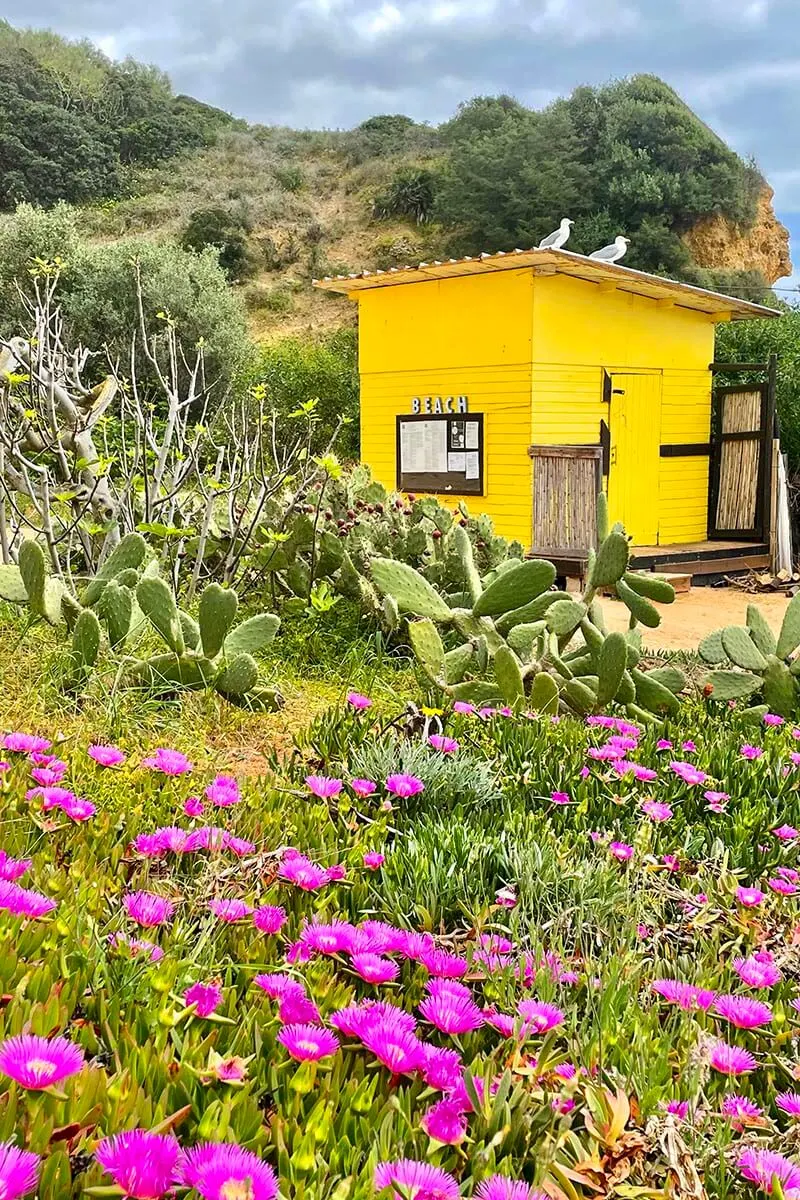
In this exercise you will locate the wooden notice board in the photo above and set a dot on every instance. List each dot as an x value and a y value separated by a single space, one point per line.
440 453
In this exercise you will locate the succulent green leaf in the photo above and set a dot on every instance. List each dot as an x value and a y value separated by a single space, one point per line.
652 695
85 645
760 631
428 649
516 587
158 605
741 649
508 673
191 630
116 608
129 553
262 698
457 662
626 692
611 664
565 616
523 638
580 696
12 586
463 548
171 672
602 517
653 587
33 571
711 649
238 677
409 589
789 637
780 689
544 693
611 562
731 685
641 609
251 635
216 613
669 677
476 691
474 628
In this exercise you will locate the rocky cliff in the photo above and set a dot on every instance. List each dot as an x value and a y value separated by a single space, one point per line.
716 243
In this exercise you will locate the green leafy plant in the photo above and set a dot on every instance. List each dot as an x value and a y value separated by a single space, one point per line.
749 661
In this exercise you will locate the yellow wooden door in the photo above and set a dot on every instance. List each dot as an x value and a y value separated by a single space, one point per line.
635 443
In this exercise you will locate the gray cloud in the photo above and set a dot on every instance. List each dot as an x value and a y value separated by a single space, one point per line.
330 63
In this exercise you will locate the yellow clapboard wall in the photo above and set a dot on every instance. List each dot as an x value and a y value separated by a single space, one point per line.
529 352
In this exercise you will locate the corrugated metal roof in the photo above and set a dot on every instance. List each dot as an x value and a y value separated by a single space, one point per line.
556 262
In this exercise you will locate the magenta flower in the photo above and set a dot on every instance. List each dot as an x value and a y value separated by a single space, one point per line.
500 1187
716 800
538 1016
643 774
25 743
506 897
741 1110
230 910
136 946
269 918
729 1060
789 1102
193 806
373 968
441 964
38 1062
223 792
363 787
357 701
12 869
441 1068
784 887
24 902
277 985
678 1108
404 786
374 860
445 1122
750 897
688 772
789 873
148 909
221 1171
47 776
106 756
560 797
334 937
299 870
412 1180
758 970
656 811
671 862
308 1043
145 1165
206 998
786 833
663 744
685 995
761 1166
450 1007
356 1019
463 708
742 1011
168 762
394 1045
773 719
19 1171
445 745
751 752
620 850
323 786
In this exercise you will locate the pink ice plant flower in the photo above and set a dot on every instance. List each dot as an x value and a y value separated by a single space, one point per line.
762 1166
37 1063
758 971
144 1165
19 1171
560 798
356 1019
47 776
620 850
299 870
106 756
786 833
538 1016
374 860
25 743
223 1171
308 1043
678 1108
729 1060
357 701
463 708
450 1007
445 1122
500 1187
404 786
24 902
773 719
136 946
685 995
750 752
688 772
743 1011
168 762
363 787
373 968
223 792
506 897
269 918
445 745
741 1111
12 869
656 811
784 887
395 1046
193 806
230 910
750 897
323 786
789 1102
148 909
206 998
412 1180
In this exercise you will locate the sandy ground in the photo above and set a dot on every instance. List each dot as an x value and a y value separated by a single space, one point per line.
696 613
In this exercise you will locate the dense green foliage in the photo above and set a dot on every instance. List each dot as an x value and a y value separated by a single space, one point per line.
629 158
753 342
226 232
71 120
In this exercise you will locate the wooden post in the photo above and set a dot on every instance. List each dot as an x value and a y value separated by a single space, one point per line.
773 524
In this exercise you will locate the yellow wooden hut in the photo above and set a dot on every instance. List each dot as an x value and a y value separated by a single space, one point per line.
520 383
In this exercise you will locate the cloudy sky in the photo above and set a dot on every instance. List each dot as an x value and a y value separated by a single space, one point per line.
331 63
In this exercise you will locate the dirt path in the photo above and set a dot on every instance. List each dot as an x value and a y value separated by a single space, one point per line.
697 613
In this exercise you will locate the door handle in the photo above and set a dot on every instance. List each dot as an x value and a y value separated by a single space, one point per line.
613 456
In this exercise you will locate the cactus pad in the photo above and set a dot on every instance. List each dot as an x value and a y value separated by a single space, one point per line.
409 589
741 649
428 649
216 613
516 587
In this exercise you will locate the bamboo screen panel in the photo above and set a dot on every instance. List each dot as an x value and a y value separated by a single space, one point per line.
739 462
565 486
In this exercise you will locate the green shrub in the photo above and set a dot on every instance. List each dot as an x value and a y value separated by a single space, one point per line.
226 233
410 194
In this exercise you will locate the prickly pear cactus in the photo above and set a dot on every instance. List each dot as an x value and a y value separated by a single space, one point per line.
751 661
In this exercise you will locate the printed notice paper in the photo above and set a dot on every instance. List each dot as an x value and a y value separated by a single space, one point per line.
457 462
423 447
472 440
473 463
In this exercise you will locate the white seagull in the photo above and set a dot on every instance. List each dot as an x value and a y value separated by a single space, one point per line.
554 241
614 252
